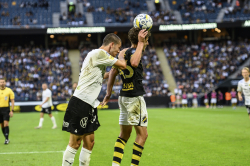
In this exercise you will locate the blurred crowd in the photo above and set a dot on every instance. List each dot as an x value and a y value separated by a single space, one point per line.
27 68
199 68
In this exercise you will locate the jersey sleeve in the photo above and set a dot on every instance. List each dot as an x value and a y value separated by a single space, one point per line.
48 94
12 95
239 87
105 59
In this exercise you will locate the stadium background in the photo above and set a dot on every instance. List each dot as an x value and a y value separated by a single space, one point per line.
196 46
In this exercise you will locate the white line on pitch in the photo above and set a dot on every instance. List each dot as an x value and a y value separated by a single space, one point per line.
32 152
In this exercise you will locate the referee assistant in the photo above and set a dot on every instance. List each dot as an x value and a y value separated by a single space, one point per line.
6 95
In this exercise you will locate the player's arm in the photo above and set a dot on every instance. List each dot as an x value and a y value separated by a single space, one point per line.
121 63
47 99
12 107
12 97
240 96
112 74
239 89
106 75
136 58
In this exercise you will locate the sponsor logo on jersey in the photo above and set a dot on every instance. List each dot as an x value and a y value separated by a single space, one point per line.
6 98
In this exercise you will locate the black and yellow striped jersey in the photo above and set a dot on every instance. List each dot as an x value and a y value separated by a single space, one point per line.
131 77
5 96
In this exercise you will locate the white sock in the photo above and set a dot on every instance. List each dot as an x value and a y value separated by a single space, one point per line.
53 120
84 157
115 164
69 156
41 122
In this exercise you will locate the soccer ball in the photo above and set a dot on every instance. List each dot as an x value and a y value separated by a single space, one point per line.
143 21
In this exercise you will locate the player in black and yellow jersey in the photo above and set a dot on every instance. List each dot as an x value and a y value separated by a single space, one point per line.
6 95
133 111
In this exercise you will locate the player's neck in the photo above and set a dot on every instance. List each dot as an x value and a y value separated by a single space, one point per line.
104 48
2 88
246 79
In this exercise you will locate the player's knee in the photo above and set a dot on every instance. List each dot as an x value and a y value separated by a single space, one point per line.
6 123
125 135
75 145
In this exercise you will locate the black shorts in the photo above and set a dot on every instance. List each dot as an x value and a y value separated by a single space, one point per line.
80 117
46 110
4 114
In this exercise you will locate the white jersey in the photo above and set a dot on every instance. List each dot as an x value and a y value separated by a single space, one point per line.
91 76
245 88
47 93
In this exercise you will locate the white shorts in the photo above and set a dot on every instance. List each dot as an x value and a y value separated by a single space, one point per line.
234 100
205 100
195 101
133 111
213 100
184 101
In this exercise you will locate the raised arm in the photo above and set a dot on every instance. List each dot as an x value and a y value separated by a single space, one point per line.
135 59
112 74
121 63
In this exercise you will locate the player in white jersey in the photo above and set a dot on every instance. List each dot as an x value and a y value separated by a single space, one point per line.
244 87
46 106
81 118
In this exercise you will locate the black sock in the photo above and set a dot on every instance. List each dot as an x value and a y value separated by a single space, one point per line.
6 132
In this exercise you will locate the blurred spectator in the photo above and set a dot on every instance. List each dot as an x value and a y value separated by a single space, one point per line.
27 68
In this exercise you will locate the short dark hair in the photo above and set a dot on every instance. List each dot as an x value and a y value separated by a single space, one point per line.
111 37
2 78
133 35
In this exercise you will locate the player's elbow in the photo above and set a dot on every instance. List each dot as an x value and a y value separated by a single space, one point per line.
134 64
123 66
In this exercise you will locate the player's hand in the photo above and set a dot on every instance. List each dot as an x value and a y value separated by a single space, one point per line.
105 100
122 53
240 98
40 105
11 113
142 34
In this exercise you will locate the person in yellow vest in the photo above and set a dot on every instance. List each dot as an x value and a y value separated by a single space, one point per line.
6 95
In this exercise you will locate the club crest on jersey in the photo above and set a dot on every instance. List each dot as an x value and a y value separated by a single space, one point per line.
6 98
111 57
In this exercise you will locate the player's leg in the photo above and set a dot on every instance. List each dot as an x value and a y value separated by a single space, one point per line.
52 119
88 144
6 119
141 137
40 125
1 122
70 152
125 131
120 144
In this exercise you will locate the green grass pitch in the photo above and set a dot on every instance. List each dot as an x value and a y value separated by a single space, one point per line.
188 137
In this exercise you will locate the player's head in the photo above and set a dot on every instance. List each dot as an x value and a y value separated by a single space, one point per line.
133 37
233 89
44 86
245 72
2 83
74 85
113 44
213 90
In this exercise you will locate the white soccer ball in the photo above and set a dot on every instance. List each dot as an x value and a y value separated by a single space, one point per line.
143 21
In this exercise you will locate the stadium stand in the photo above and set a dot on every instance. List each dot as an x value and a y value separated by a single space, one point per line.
27 68
198 11
198 68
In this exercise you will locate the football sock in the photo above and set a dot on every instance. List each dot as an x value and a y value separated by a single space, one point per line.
6 132
118 151
53 120
41 122
68 156
137 151
84 157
